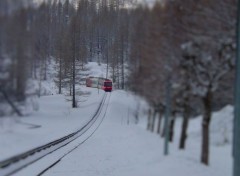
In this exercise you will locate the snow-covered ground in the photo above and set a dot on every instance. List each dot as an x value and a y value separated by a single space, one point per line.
119 147
54 119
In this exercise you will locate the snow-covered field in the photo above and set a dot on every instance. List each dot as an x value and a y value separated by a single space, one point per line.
119 147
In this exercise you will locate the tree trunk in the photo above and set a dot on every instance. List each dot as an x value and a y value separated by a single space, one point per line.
74 74
45 70
153 120
113 74
163 132
118 73
73 55
122 60
184 125
205 127
73 86
159 122
149 119
20 74
107 61
171 128
70 87
11 103
60 55
60 76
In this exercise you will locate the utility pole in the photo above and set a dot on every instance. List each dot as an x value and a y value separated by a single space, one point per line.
236 132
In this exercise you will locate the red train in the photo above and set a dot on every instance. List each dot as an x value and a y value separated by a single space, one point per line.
101 83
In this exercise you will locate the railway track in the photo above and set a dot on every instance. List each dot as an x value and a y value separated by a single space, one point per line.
18 162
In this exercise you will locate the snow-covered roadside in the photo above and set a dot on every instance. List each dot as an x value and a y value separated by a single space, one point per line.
122 148
54 119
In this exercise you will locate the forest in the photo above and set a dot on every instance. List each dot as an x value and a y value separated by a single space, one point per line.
181 49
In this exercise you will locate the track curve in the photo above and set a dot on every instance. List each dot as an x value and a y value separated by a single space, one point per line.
18 162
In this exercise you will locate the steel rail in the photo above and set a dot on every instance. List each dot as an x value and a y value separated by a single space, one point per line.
79 144
45 149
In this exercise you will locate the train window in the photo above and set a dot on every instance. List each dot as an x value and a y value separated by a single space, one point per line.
108 84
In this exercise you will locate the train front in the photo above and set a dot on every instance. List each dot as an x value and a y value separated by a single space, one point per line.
107 86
